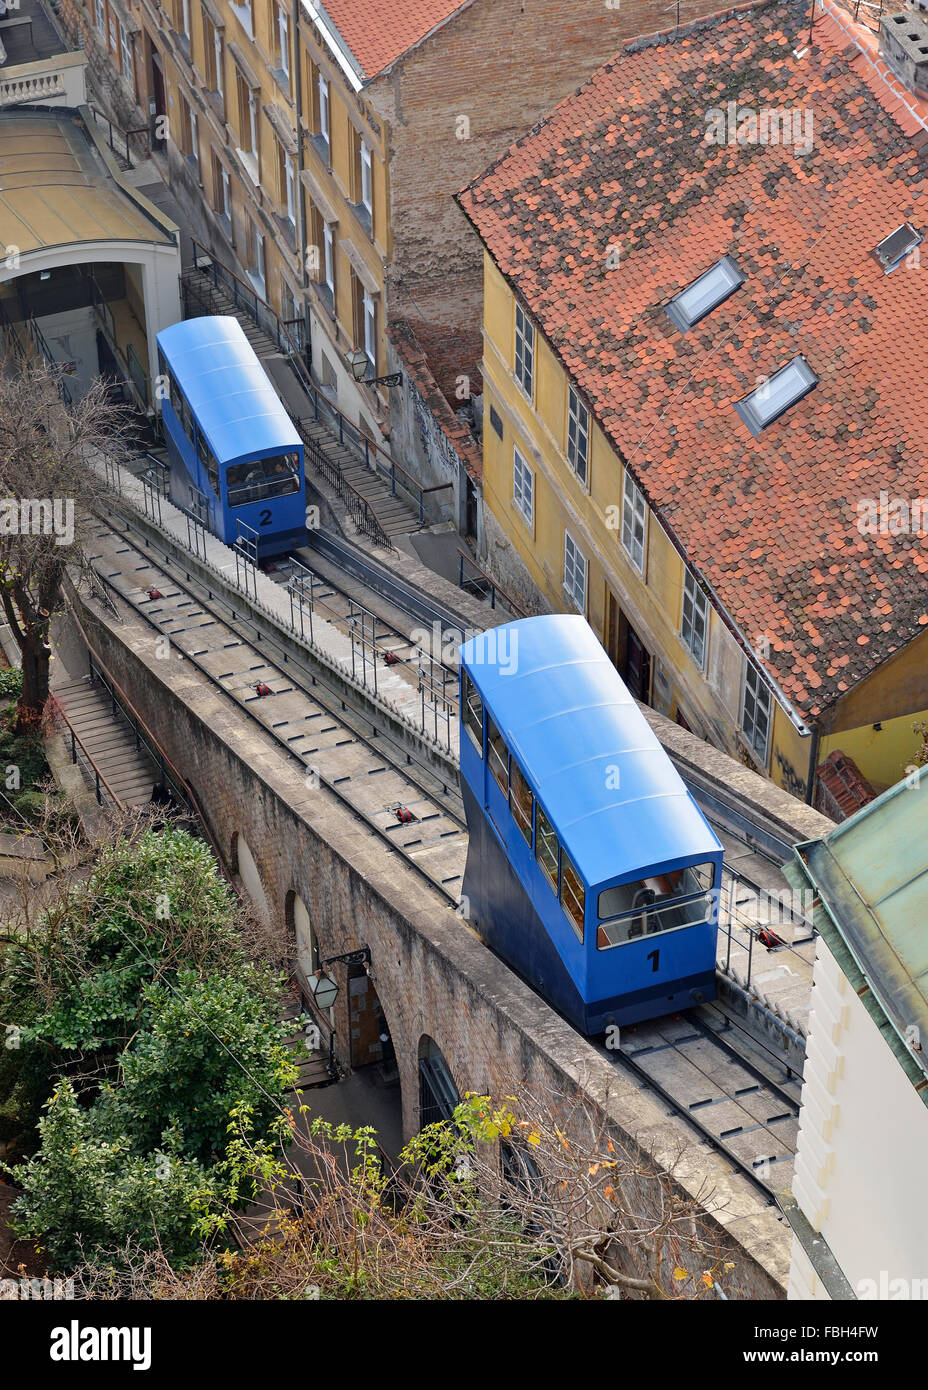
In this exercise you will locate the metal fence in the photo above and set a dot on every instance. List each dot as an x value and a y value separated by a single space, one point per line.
740 931
370 653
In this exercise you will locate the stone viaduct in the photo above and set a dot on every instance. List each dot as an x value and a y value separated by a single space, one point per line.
310 866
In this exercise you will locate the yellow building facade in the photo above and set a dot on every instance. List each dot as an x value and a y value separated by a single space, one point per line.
226 88
566 521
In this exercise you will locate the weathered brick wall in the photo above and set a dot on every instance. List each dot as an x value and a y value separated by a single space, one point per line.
500 65
432 975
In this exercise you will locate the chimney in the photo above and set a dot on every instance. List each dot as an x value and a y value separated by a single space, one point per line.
904 48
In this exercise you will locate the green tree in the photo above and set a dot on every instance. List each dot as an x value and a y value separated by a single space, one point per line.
211 1048
86 1190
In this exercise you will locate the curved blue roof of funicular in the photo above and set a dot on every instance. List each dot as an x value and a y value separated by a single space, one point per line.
227 389
566 714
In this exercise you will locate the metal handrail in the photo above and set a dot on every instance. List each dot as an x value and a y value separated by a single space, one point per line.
140 130
359 509
100 782
177 779
482 584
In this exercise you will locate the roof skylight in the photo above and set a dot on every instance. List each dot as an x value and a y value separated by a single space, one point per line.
776 394
705 294
893 249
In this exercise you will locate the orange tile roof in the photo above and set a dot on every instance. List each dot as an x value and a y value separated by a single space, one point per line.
380 31
771 522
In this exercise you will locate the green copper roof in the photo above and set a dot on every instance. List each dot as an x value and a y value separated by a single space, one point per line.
871 875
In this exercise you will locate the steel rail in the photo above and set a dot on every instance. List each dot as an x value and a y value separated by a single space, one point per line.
680 1108
450 898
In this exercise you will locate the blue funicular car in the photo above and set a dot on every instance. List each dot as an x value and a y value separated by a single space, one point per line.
235 453
590 868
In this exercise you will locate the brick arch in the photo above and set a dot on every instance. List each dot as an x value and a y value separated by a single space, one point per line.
243 867
301 936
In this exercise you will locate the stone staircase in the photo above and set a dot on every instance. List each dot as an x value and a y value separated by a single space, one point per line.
109 744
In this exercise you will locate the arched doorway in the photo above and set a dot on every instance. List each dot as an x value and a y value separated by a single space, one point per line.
438 1094
306 945
243 864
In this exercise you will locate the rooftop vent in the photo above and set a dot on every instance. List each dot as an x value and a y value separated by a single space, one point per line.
894 248
904 47
777 394
705 294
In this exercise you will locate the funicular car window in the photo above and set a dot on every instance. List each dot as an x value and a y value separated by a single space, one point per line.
521 800
260 480
498 756
573 895
208 460
664 902
473 714
546 847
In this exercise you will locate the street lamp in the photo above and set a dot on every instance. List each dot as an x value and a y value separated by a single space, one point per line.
323 989
359 363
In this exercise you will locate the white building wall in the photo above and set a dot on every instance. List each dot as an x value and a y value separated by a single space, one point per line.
863 1140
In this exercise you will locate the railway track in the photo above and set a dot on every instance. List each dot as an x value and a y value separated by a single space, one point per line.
407 810
744 1104
720 1083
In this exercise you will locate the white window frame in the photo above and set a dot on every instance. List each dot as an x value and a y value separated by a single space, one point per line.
245 14
126 49
290 186
217 53
260 264
367 186
253 121
370 330
100 16
328 240
523 487
523 358
323 85
576 566
194 137
224 184
185 8
111 40
634 516
756 688
698 620
577 440
283 39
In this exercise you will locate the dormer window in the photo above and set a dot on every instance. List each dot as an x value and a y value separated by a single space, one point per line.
705 294
893 249
776 395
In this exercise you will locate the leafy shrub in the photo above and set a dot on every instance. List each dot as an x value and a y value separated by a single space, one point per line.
11 683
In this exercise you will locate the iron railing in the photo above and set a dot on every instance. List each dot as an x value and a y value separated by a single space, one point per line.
118 139
81 757
482 586
42 346
122 711
358 507
740 930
